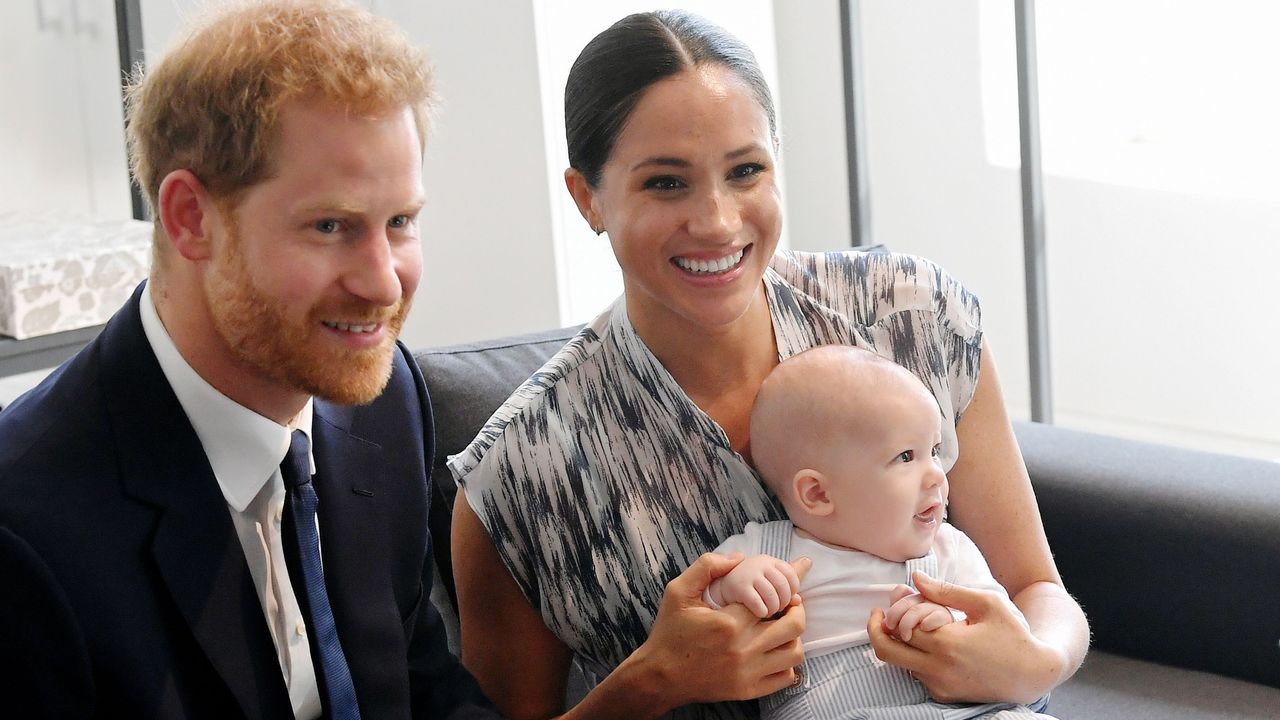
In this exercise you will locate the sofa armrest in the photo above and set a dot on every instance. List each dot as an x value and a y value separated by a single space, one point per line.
1174 554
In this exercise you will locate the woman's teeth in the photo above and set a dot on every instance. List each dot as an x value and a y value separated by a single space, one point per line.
710 267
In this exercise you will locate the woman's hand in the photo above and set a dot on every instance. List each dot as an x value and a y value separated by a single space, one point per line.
700 654
694 653
909 612
993 657
991 499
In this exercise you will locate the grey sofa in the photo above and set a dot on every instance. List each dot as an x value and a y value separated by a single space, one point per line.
1174 554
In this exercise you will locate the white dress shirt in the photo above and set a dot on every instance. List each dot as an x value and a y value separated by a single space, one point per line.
245 450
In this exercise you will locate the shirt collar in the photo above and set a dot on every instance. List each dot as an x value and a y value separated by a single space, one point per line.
244 448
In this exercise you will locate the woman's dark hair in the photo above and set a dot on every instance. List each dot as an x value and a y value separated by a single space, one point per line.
618 65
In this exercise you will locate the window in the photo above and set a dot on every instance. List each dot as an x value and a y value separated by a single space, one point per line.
1162 161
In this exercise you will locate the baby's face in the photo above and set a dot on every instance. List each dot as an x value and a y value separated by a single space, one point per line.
888 487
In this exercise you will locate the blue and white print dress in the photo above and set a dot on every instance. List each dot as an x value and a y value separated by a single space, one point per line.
599 480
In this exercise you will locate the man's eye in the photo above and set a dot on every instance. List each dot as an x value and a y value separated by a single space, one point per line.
328 226
398 221
907 456
664 182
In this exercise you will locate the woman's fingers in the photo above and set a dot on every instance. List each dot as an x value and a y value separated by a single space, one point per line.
887 647
724 654
788 658
985 659
760 658
937 618
974 603
689 585
782 633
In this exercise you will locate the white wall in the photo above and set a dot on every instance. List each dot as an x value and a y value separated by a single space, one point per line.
1160 304
811 88
61 121
487 230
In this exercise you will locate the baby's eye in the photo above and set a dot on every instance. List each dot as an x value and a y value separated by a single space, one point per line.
906 456
937 450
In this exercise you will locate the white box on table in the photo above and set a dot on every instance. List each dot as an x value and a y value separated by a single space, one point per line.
58 274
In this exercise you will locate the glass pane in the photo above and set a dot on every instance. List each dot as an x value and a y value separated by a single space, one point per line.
1162 213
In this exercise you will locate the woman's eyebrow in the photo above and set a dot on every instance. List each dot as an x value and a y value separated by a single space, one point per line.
661 161
666 161
744 150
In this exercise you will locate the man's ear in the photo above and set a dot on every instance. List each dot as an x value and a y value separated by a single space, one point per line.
811 492
584 196
182 206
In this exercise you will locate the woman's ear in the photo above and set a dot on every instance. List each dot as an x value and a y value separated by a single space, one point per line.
811 492
182 205
584 196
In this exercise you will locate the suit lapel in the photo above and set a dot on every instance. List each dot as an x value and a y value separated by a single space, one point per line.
196 550
356 548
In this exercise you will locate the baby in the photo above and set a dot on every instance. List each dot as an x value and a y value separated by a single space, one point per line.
849 443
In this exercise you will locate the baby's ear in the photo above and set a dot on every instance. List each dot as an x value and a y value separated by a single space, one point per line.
811 492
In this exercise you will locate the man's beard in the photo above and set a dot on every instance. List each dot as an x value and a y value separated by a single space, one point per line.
285 351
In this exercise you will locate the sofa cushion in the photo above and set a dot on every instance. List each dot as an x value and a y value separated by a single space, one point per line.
1113 686
1174 554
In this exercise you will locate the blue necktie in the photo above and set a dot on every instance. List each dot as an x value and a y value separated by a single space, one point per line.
336 689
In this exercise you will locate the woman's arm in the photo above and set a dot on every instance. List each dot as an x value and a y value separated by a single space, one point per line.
499 624
996 657
693 653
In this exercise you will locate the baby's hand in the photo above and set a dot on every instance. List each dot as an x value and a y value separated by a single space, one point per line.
762 583
910 612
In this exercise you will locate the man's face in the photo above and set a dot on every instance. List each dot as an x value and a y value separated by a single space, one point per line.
319 262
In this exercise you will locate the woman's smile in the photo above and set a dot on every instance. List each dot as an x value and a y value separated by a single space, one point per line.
713 266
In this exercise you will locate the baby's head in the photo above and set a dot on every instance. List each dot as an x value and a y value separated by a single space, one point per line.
849 441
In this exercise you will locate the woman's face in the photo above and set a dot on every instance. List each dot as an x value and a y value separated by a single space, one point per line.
690 200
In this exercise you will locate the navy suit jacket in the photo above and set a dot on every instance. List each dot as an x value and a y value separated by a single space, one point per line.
124 590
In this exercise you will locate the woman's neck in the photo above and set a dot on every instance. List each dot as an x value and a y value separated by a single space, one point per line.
720 368
703 359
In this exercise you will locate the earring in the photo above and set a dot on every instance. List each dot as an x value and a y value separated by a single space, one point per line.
598 230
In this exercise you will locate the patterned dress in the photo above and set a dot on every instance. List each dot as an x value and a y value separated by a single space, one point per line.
599 480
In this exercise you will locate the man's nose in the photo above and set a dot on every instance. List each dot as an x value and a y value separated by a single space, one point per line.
372 275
